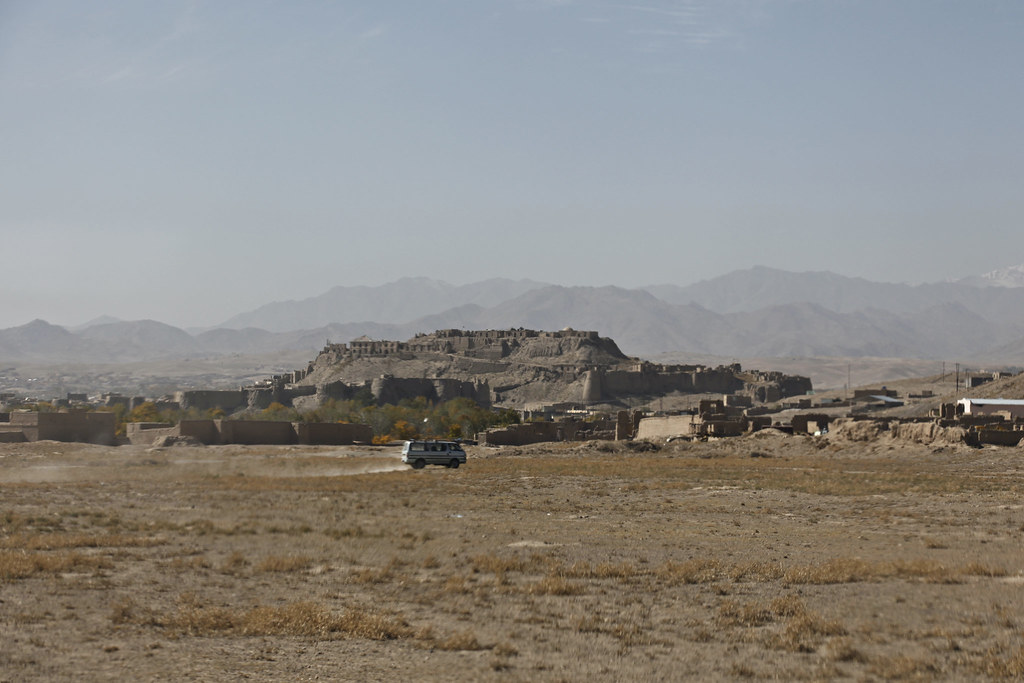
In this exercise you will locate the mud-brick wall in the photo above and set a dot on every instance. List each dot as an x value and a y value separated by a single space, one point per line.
625 382
332 434
145 433
523 434
95 428
203 431
652 428
227 400
256 432
1000 437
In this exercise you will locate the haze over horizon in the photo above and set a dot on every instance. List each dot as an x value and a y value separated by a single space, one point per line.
187 161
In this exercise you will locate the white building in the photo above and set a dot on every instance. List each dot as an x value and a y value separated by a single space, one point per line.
989 406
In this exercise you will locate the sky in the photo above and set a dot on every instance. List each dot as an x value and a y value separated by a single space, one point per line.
185 161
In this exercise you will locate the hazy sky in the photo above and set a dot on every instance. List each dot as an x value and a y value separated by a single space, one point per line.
187 161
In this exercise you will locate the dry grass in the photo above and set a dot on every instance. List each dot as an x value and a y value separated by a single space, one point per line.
855 570
494 564
732 613
805 632
556 585
998 664
19 564
979 569
58 541
902 667
181 564
235 563
759 572
841 570
372 575
305 619
461 641
691 571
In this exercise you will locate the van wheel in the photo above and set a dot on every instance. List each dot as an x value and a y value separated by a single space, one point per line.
419 464
454 464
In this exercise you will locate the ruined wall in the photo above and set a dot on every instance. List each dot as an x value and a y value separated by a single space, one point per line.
808 423
524 434
145 433
651 380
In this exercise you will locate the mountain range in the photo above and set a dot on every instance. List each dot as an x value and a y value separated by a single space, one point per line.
758 312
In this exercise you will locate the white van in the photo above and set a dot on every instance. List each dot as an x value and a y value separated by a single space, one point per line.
419 454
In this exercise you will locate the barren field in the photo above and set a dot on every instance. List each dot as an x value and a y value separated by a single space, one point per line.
761 557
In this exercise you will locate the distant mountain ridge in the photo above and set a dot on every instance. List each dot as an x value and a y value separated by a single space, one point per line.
757 312
761 287
1003 277
392 303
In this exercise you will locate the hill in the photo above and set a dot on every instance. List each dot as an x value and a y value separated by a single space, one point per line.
520 368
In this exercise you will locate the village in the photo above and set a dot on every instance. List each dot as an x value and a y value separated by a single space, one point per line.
565 386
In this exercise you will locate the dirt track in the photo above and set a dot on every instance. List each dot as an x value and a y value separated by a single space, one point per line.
757 557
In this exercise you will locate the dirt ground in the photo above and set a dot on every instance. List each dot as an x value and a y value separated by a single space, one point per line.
759 557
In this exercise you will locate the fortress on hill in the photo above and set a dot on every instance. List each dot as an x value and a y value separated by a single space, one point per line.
519 368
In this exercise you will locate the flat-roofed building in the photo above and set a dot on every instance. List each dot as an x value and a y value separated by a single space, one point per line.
990 406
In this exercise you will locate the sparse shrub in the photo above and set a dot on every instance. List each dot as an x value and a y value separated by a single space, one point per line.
843 570
979 569
623 570
732 613
494 564
788 606
761 572
306 619
804 632
19 564
691 571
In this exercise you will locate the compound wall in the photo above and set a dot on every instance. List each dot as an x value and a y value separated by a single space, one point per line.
97 428
659 428
332 433
256 432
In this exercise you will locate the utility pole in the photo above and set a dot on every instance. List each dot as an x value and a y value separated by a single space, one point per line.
958 378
